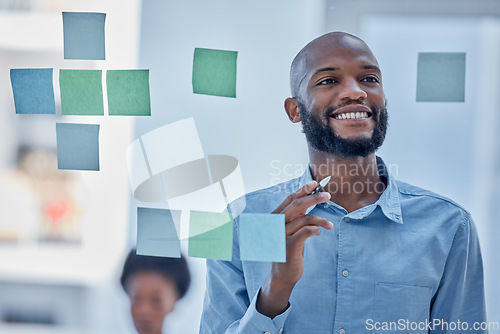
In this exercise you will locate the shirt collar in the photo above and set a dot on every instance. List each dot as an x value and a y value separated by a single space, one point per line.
389 201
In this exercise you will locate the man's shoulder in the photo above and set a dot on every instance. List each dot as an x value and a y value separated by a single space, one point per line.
410 191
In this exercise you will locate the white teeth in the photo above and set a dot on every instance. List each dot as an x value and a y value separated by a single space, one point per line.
352 115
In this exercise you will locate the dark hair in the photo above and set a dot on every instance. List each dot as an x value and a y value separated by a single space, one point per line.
175 269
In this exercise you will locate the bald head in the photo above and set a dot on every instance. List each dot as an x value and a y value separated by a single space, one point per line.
319 48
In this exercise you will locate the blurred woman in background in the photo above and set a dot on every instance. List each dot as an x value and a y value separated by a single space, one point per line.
154 285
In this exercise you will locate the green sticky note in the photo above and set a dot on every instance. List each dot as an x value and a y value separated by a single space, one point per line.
211 235
441 77
77 146
262 237
214 72
81 92
157 232
128 92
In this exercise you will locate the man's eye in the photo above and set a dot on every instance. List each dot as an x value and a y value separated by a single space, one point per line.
326 82
371 79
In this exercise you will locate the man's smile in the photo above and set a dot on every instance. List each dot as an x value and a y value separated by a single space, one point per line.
356 111
352 115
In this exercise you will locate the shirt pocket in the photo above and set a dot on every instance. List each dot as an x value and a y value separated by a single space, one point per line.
401 308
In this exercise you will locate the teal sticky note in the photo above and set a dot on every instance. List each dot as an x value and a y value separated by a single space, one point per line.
128 92
77 146
214 72
84 35
211 235
262 237
81 92
33 90
441 77
156 232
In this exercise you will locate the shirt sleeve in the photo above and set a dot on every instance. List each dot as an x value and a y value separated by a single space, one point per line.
227 307
459 303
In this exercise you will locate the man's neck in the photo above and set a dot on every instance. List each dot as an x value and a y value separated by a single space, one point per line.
355 181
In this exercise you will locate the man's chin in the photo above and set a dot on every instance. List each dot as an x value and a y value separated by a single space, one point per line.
355 138
352 147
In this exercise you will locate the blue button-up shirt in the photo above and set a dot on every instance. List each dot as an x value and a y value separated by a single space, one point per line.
408 263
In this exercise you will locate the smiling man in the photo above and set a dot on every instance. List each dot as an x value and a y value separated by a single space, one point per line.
370 254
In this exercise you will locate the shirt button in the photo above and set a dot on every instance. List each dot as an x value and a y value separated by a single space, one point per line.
267 333
280 331
341 331
345 273
346 219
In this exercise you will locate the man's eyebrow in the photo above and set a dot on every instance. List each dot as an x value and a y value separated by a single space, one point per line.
326 69
371 67
332 69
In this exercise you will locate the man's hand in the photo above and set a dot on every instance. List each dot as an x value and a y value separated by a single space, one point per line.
275 292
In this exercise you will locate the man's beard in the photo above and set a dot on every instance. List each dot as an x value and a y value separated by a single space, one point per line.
323 138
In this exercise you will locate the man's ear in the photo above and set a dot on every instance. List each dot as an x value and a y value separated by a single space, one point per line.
292 109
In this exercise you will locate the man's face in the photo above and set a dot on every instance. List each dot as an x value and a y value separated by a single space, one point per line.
341 99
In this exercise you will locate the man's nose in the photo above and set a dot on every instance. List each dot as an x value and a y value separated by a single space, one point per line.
351 90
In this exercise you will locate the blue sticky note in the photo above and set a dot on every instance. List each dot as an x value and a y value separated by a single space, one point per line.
156 232
84 35
441 77
262 237
77 146
33 90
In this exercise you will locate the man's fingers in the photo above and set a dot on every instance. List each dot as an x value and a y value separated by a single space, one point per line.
299 206
303 191
304 233
307 220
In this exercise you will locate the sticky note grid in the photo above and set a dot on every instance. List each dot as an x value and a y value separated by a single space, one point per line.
81 91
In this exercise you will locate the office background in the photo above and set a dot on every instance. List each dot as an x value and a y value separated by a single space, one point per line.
67 282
